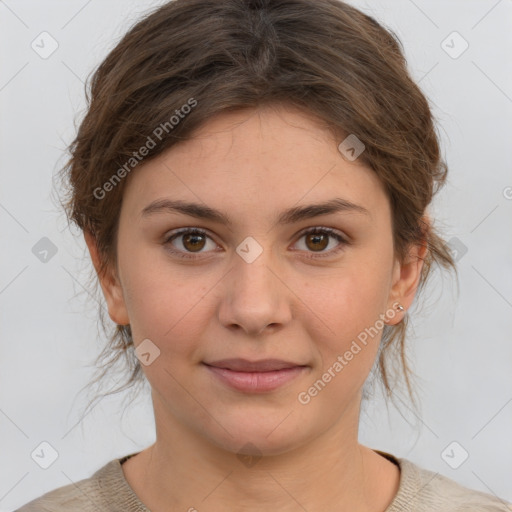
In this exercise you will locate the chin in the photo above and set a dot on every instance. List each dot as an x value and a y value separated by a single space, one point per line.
257 435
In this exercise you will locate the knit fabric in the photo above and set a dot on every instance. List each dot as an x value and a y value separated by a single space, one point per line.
420 490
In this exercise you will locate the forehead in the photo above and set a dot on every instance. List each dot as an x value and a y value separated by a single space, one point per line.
255 160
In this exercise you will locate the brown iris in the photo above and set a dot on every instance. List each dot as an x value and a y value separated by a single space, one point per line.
317 238
194 239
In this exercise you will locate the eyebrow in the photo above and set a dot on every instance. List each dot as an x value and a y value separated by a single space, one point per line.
289 216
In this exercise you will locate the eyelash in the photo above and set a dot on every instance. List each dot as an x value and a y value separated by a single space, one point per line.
316 230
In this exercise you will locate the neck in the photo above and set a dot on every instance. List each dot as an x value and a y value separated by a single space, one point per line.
184 471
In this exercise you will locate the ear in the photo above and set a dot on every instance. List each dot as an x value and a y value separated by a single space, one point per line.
110 285
406 278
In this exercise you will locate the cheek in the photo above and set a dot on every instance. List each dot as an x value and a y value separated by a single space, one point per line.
347 307
164 306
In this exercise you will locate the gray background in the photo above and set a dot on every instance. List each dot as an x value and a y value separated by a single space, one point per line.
461 348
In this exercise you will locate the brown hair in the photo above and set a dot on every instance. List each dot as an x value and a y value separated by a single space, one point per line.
322 56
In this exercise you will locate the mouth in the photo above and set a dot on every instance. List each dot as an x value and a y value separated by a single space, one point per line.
244 365
255 376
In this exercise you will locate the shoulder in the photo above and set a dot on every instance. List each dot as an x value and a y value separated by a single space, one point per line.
424 490
81 495
92 494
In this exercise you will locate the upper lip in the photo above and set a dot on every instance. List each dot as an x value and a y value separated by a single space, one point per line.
244 365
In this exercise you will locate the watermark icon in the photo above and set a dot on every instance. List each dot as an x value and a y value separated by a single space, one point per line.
457 248
351 148
44 249
304 397
249 460
44 455
507 192
454 45
147 352
249 249
454 455
137 156
44 45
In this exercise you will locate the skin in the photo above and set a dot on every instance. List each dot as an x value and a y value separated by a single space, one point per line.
252 164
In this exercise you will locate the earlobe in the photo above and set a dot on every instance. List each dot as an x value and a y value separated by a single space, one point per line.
110 284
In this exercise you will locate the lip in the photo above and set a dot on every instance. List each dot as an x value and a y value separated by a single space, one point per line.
255 376
244 365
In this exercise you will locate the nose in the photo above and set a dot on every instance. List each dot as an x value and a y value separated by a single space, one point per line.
255 296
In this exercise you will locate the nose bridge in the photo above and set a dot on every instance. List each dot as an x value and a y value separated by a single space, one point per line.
255 297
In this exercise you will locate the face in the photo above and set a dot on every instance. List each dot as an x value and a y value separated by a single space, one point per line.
254 284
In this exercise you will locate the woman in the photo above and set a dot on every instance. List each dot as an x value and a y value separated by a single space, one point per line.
252 179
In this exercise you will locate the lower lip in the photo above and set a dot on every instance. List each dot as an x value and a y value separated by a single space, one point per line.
256 382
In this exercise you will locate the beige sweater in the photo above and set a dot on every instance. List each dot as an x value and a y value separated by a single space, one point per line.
420 490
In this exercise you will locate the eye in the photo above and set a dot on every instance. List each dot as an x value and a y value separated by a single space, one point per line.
317 239
193 240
